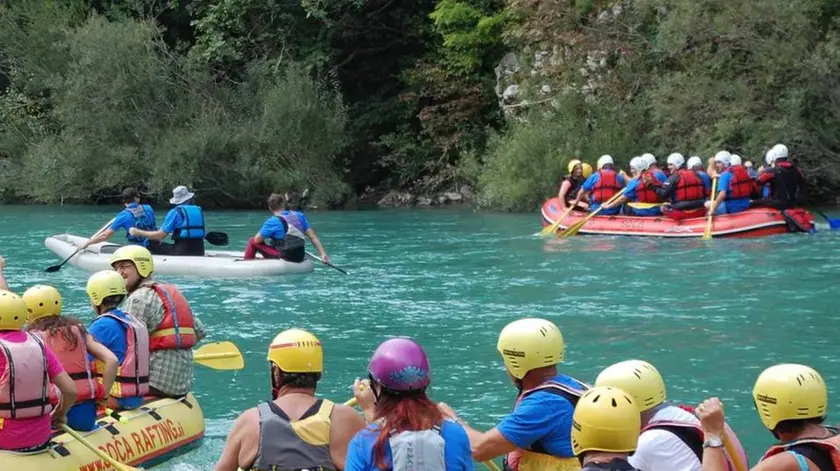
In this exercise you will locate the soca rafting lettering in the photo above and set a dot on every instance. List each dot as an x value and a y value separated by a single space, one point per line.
150 440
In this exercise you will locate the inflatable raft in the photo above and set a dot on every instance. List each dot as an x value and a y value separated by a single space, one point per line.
147 436
755 222
215 263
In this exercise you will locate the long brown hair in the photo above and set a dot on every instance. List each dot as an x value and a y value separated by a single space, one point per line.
60 325
412 412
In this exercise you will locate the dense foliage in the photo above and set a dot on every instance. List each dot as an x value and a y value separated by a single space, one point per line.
237 98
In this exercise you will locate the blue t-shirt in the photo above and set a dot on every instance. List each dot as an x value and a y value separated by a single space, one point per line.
660 175
297 219
542 417
125 220
707 181
273 229
112 334
632 195
735 205
589 185
457 453
172 220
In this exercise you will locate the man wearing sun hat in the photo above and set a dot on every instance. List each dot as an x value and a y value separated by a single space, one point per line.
186 224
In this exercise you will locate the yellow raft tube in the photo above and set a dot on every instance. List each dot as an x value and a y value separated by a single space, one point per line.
146 436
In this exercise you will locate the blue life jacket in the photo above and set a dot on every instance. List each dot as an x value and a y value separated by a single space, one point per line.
192 223
144 219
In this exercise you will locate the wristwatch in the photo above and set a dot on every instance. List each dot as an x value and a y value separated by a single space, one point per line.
712 442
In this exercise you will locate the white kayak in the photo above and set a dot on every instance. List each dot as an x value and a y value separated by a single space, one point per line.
215 263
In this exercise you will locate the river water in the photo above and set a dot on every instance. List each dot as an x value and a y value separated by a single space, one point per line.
710 315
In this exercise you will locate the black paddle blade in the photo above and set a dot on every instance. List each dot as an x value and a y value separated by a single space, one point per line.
53 269
217 238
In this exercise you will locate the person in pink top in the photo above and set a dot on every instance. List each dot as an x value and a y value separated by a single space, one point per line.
25 421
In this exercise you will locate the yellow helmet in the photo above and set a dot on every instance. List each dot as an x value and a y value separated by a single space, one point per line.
605 419
296 351
789 392
639 379
103 284
12 311
42 301
528 344
572 164
140 255
587 170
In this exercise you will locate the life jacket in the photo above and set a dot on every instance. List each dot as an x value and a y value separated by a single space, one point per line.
418 450
133 373
692 435
741 185
575 185
294 445
830 444
25 384
535 458
785 184
192 223
646 191
689 187
293 245
75 362
144 219
606 187
293 218
177 329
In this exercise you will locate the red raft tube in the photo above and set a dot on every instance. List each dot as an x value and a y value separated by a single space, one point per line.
756 222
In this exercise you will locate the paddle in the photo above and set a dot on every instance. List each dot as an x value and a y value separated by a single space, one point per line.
329 264
733 453
104 456
219 356
553 228
574 228
645 205
490 465
833 224
707 234
217 238
55 268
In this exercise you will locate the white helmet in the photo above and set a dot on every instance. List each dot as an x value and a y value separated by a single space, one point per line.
648 159
772 155
636 163
604 160
676 159
735 159
724 157
782 151
694 161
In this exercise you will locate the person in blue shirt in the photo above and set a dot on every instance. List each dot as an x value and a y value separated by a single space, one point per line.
406 427
296 218
734 187
696 163
106 290
135 215
186 224
641 189
601 186
537 434
653 167
277 238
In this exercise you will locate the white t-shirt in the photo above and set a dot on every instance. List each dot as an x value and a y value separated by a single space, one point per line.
661 450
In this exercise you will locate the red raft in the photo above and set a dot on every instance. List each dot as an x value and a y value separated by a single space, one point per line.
755 222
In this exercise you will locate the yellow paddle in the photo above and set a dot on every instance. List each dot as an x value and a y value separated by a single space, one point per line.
574 228
645 205
490 465
707 234
104 456
548 230
219 356
730 450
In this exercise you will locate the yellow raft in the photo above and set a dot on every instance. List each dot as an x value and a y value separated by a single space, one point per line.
145 436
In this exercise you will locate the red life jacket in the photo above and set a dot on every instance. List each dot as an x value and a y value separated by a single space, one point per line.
177 329
133 373
741 185
75 363
25 384
830 444
571 394
645 192
606 187
689 187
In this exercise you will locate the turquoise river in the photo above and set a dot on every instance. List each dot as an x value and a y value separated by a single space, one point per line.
710 315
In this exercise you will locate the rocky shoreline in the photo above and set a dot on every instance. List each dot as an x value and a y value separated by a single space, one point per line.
406 199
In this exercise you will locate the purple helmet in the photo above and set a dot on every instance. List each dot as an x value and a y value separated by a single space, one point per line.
400 364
